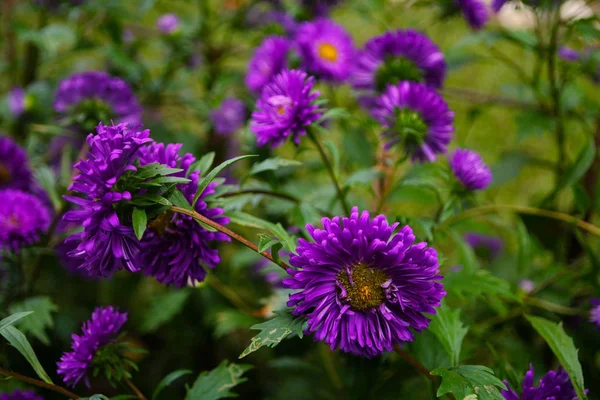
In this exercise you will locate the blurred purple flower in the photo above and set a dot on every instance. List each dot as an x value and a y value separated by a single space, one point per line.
15 172
269 59
470 170
16 101
23 218
474 11
527 285
363 286
285 108
493 244
18 394
167 23
595 312
229 117
568 54
555 385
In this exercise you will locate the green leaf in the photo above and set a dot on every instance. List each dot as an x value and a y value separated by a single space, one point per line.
243 219
47 180
11 319
334 113
563 348
139 221
469 380
16 338
578 169
170 378
450 331
273 164
213 174
477 283
216 384
179 200
202 165
335 156
163 308
38 323
273 331
533 123
363 177
265 242
162 180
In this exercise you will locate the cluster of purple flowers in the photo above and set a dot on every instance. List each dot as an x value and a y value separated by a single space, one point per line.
21 395
555 385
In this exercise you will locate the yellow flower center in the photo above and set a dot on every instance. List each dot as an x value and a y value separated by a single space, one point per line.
363 286
328 52
280 110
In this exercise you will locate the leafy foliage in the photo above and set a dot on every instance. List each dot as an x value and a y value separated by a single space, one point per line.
463 381
163 308
43 307
16 338
275 330
450 331
217 384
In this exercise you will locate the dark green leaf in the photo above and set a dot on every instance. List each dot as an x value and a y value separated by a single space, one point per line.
16 338
163 308
475 381
43 307
273 164
477 283
11 319
167 380
203 164
139 221
563 348
216 384
273 331
449 330
533 123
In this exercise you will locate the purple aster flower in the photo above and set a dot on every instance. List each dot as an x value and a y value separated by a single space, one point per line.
15 172
402 55
417 117
175 247
527 285
470 170
568 54
21 395
595 312
105 245
93 97
269 59
16 101
229 117
362 285
285 108
555 385
474 11
326 48
167 23
23 217
497 4
101 330
490 243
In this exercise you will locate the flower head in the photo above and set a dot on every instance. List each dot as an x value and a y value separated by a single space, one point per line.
21 395
285 108
470 170
326 48
489 243
229 117
362 285
417 117
105 245
174 247
15 172
167 23
555 385
23 217
402 55
474 11
102 329
88 98
16 101
568 54
269 59
595 312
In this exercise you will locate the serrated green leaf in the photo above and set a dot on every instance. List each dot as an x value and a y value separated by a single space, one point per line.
273 331
16 338
217 384
265 242
563 348
11 319
273 164
202 165
212 175
469 380
450 331
167 380
43 307
139 220
163 308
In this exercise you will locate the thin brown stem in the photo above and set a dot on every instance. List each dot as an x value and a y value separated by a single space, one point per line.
135 389
39 383
231 234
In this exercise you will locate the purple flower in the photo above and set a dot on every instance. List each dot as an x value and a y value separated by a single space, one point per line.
269 59
568 54
417 117
492 244
93 97
175 247
102 329
402 55
470 170
15 172
285 108
229 117
474 11
527 285
326 48
16 101
555 385
23 218
21 395
362 285
167 23
105 245
497 4
285 20
595 312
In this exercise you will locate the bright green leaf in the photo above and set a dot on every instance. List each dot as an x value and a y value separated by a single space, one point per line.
450 331
40 321
273 331
139 221
469 380
16 338
273 164
11 319
203 164
179 200
216 384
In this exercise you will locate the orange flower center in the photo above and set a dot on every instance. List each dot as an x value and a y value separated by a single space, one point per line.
328 52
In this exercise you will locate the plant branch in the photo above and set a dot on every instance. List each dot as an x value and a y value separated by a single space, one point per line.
279 195
555 308
486 98
39 383
135 389
231 234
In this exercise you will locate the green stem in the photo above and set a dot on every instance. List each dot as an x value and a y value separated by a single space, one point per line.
555 308
327 162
